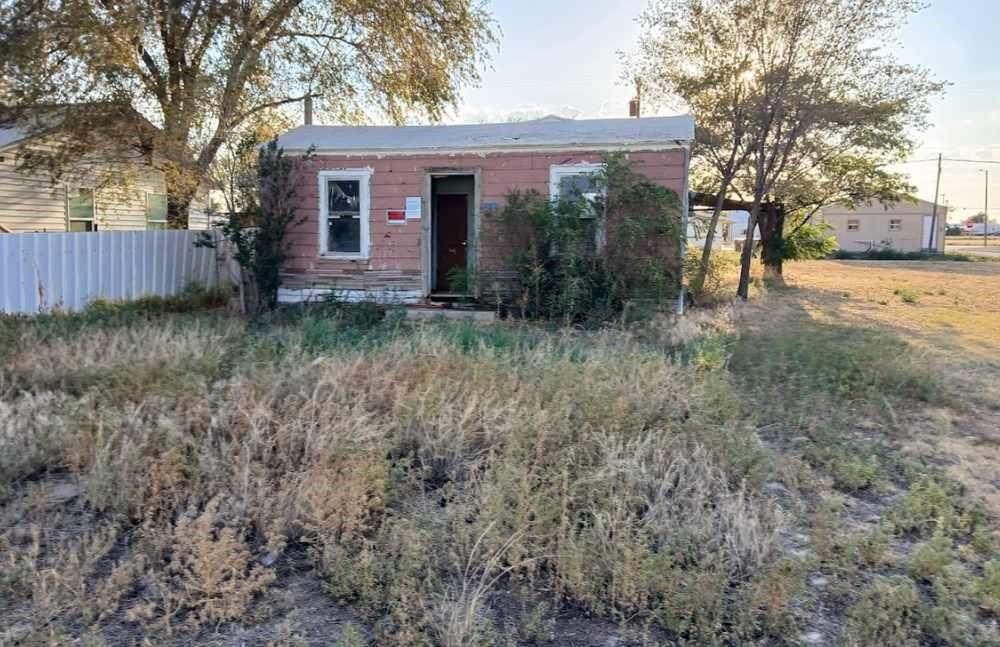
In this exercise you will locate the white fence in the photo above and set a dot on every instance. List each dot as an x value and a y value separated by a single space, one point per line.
64 271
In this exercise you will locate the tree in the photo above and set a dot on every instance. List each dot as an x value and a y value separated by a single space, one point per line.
822 106
700 57
257 233
828 97
234 174
175 78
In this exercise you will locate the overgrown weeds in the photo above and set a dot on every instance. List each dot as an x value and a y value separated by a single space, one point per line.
419 473
442 479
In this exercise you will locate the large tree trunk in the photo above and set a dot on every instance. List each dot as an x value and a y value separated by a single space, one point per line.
180 194
772 229
746 256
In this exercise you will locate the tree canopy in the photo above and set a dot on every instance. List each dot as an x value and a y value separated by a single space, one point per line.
802 95
171 80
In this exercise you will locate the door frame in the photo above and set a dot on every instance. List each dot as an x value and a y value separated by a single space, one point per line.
427 230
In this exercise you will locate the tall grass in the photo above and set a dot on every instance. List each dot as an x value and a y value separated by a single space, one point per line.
159 473
419 468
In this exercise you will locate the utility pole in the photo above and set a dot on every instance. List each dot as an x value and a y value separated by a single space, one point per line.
931 243
635 105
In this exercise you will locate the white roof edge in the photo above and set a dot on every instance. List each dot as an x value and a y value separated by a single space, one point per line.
541 134
383 152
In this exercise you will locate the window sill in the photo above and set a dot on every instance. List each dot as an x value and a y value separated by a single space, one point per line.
331 256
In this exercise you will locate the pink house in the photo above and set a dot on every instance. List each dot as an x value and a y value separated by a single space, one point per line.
391 212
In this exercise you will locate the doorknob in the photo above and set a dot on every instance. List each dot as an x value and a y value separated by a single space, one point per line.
464 243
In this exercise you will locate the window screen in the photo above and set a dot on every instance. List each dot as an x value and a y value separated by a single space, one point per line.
344 216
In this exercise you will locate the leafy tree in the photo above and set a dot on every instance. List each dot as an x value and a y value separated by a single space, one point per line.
828 95
234 172
826 107
170 81
701 58
257 232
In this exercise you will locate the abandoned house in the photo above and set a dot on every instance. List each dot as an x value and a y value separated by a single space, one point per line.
391 213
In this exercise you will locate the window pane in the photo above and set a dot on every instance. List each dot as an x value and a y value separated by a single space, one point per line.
81 205
81 225
344 195
572 186
345 233
156 207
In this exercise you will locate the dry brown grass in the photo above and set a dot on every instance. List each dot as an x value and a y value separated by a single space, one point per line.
440 480
954 326
416 475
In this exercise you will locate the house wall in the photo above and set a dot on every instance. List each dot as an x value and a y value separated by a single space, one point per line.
873 225
30 202
395 262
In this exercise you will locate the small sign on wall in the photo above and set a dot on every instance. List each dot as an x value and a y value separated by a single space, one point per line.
413 207
395 216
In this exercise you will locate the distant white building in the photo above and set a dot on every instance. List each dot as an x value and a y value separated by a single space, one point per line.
730 231
905 226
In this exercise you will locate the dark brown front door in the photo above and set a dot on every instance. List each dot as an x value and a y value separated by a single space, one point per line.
451 234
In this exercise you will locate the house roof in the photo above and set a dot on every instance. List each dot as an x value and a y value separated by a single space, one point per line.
877 208
10 136
548 132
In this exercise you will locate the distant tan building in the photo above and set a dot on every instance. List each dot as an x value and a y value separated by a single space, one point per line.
905 226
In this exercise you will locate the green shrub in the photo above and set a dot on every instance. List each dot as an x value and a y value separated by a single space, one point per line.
888 613
581 260
988 587
906 296
897 255
932 505
931 558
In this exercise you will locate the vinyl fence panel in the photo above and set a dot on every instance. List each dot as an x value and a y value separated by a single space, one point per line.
41 272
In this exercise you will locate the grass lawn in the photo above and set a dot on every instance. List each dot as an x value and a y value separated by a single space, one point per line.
816 466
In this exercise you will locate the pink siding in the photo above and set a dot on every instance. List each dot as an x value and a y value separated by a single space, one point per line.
395 249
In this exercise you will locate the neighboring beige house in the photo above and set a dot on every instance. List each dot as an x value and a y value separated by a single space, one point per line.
30 202
905 226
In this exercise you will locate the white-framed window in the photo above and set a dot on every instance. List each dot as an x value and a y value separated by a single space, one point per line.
80 209
574 181
853 225
156 210
895 224
345 213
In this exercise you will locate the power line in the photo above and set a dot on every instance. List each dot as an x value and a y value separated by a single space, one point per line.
954 159
947 159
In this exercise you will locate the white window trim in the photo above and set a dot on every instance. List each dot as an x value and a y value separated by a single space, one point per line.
559 171
93 213
363 176
853 221
898 224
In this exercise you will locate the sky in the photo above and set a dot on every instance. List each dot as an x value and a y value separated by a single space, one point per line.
561 57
